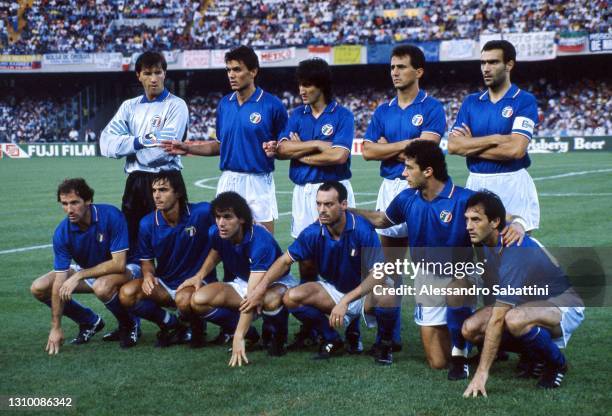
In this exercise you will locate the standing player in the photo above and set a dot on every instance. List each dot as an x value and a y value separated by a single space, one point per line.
95 237
249 123
345 248
173 242
318 140
538 324
412 114
434 216
493 130
247 250
136 131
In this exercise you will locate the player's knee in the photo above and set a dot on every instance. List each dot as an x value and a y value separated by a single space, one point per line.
39 289
272 301
291 298
103 289
470 330
515 321
128 294
437 362
183 300
199 300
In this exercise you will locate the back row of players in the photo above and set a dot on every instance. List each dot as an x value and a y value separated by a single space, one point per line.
176 245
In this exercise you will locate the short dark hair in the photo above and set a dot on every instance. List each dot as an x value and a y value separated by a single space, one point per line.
151 59
428 154
417 57
227 201
492 204
245 55
175 180
316 72
338 186
76 185
508 50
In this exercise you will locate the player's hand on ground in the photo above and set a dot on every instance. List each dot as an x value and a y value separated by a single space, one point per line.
68 287
193 281
238 353
476 386
270 148
148 284
336 317
253 300
175 147
56 339
513 233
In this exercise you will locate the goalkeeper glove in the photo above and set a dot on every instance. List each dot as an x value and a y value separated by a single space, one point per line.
153 139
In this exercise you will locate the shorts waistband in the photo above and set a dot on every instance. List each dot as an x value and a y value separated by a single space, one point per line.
491 175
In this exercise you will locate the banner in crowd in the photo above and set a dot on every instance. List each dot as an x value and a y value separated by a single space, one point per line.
171 56
572 42
395 13
20 62
570 144
347 54
322 52
381 53
68 59
22 151
108 60
532 46
196 59
217 58
600 42
276 56
458 50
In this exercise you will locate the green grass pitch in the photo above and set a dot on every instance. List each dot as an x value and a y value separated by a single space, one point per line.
145 381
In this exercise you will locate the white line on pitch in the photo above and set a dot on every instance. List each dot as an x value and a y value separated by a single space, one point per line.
566 175
17 250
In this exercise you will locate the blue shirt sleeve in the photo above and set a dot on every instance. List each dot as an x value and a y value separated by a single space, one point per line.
395 210
145 245
261 257
292 125
376 127
216 242
280 120
346 131
463 117
62 257
435 122
302 247
118 232
218 120
512 273
526 116
370 247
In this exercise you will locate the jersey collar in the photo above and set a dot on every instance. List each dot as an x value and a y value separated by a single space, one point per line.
329 108
160 220
254 98
348 227
94 218
420 97
447 192
161 97
512 93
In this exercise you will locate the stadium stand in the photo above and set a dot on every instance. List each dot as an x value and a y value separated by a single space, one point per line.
97 26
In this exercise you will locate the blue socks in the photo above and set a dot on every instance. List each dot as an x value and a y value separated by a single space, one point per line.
277 322
313 317
77 312
119 312
387 319
150 311
225 318
538 340
455 316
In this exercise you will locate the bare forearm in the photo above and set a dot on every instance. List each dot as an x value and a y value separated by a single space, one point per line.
278 269
492 340
288 149
148 268
329 157
508 148
382 151
207 148
377 218
112 266
57 305
470 146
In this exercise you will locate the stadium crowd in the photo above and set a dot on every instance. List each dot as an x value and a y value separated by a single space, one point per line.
101 26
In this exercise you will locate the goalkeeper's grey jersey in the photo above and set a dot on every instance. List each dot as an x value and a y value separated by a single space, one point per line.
137 117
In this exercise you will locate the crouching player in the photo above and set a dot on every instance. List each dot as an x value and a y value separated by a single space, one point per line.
534 325
343 245
175 236
247 250
95 237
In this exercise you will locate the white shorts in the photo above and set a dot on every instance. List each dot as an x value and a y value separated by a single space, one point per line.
355 308
133 268
387 191
240 286
515 189
172 292
304 205
571 318
258 190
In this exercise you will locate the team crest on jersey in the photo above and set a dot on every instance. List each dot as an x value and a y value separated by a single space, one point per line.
327 130
417 120
156 121
446 216
100 237
191 231
255 118
507 112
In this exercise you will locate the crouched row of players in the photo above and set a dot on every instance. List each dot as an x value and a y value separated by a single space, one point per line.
181 243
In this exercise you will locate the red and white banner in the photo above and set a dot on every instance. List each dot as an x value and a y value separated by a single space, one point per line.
13 151
323 52
269 56
196 59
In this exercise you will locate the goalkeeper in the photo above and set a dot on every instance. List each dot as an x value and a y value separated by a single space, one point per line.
135 132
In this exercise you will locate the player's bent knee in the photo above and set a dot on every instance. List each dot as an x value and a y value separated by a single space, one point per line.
103 289
470 330
183 300
515 321
129 293
272 301
39 289
291 299
437 362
